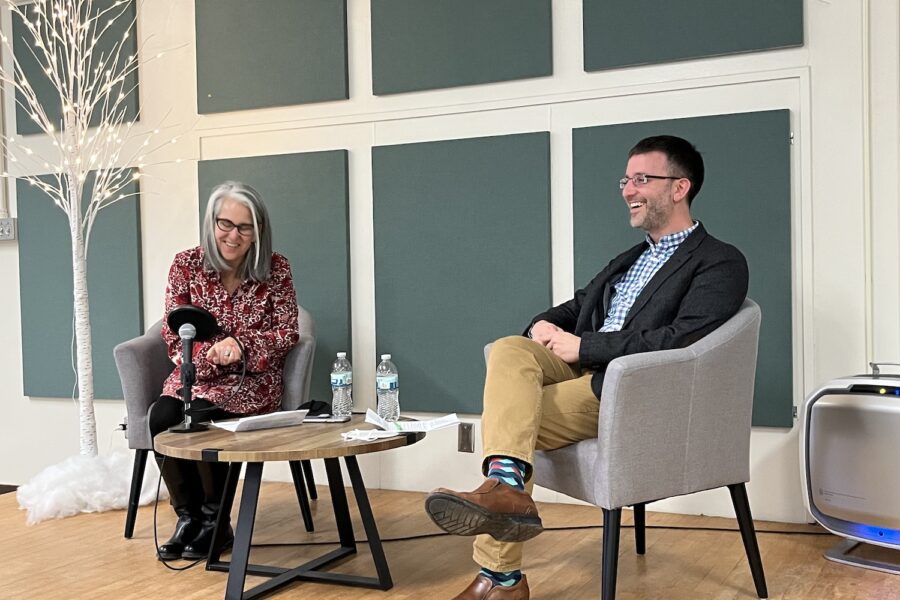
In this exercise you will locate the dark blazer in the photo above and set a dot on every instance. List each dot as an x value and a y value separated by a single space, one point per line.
700 287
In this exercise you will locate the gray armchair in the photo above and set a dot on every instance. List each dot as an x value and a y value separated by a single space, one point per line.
143 366
671 422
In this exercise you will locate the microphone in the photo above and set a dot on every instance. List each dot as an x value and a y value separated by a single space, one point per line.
192 324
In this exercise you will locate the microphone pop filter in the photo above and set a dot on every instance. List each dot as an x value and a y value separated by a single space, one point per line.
200 318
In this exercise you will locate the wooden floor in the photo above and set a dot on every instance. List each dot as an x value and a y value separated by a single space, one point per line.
87 557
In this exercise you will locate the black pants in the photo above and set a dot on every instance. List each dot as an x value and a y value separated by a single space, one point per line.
195 487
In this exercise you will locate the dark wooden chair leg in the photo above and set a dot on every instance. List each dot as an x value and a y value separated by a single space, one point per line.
611 521
748 535
640 529
310 479
134 496
305 512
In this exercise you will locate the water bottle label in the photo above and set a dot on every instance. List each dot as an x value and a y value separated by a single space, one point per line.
341 379
386 382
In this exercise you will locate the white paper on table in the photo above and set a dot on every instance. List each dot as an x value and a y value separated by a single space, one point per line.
407 426
367 435
284 418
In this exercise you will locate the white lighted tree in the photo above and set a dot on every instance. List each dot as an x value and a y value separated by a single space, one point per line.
83 54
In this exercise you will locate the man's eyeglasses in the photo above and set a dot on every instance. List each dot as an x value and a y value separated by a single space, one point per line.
225 225
639 179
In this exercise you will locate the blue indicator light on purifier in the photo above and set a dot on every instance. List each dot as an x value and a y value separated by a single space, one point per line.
897 391
874 534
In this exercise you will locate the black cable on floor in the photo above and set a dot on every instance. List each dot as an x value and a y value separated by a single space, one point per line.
564 528
423 536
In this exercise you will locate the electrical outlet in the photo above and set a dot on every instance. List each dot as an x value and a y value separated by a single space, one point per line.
7 229
465 441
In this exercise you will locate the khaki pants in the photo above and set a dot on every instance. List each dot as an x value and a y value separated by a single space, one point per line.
532 400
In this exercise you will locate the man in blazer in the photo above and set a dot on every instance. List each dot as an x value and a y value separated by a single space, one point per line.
542 390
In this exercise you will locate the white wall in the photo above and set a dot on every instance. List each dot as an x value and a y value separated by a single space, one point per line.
843 91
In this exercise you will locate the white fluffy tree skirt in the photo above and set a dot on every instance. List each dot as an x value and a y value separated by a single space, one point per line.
86 484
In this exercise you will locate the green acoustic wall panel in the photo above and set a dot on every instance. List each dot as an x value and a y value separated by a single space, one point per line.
269 53
462 257
307 198
621 33
45 279
48 96
420 45
745 200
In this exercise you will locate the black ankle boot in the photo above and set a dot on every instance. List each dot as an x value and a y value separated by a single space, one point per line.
199 547
186 529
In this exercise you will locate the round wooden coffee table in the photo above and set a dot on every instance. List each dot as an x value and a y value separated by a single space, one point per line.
301 442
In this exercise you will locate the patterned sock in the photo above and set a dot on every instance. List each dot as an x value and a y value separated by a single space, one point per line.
505 579
508 470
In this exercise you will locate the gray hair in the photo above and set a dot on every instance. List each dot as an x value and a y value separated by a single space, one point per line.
260 249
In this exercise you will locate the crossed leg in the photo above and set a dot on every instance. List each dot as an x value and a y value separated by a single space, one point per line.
532 400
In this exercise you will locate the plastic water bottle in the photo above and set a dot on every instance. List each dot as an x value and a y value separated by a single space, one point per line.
388 389
341 386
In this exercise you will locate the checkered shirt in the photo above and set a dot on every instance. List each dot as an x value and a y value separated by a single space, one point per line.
642 271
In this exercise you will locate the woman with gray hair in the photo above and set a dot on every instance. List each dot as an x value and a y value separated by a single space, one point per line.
235 275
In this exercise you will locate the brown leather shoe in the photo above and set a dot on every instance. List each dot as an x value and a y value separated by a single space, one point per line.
494 508
484 589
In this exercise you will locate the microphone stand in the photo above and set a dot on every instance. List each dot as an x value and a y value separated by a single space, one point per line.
187 332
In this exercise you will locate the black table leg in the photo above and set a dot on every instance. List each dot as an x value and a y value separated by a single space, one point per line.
240 556
368 519
300 489
339 503
238 568
224 516
310 479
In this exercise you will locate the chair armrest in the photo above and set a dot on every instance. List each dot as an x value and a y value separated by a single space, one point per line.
143 364
645 412
298 364
487 352
678 421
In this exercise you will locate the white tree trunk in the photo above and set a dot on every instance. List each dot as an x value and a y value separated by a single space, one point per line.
84 361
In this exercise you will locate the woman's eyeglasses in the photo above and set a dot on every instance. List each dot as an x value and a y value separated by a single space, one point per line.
225 225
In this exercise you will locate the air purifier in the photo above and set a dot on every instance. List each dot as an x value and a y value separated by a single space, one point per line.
850 461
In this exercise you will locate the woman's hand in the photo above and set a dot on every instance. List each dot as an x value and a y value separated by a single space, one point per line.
223 353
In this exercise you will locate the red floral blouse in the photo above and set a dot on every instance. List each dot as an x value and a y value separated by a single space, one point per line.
261 316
